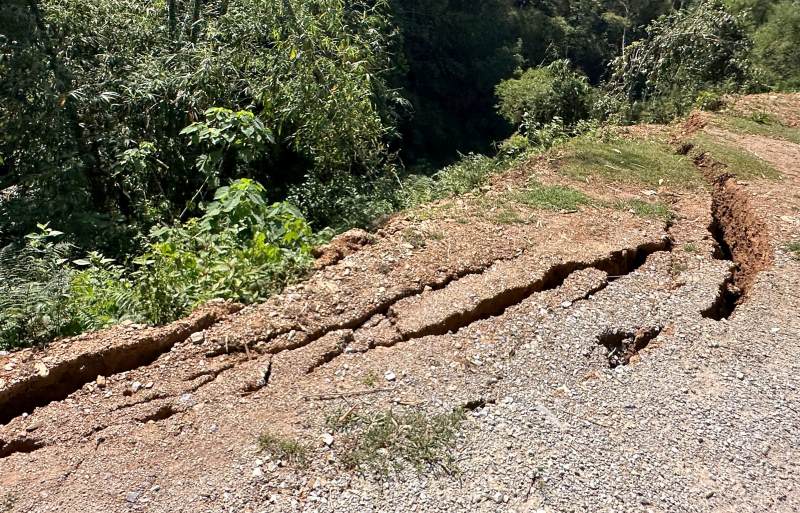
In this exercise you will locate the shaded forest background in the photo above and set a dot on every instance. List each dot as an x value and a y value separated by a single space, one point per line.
157 153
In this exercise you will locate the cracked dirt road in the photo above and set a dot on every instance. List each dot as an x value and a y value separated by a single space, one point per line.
606 361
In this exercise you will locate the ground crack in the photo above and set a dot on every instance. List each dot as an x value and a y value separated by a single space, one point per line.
70 375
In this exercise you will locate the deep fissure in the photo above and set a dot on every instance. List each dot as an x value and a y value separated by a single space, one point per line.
68 377
24 445
740 238
617 264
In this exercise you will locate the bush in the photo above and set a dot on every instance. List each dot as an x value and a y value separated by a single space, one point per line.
34 290
709 100
703 47
541 94
777 45
241 249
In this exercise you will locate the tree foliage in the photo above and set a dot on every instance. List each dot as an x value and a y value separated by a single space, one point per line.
684 52
777 44
543 93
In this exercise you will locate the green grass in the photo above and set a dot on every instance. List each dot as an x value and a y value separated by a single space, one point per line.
690 248
760 124
794 247
641 208
550 197
387 440
638 162
370 379
284 449
739 162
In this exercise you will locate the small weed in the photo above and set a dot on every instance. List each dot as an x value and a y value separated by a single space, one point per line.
739 162
551 197
370 380
508 216
709 101
284 449
679 267
690 248
385 441
794 247
420 238
629 161
763 118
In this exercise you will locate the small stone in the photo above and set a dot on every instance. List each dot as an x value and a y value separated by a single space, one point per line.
739 376
132 497
327 439
257 472
155 488
149 384
566 304
9 366
390 376
101 381
198 337
2 383
135 386
41 369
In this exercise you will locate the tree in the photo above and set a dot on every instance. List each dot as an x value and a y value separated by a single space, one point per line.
777 45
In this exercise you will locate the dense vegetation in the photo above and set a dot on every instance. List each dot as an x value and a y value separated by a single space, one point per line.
157 153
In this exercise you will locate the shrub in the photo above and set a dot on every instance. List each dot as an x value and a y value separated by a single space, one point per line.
777 45
541 94
241 248
684 52
709 100
34 290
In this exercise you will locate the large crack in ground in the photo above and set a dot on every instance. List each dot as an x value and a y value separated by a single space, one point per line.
68 376
616 264
741 237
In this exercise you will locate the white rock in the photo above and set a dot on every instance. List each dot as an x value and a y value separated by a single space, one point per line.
390 376
327 439
41 369
197 337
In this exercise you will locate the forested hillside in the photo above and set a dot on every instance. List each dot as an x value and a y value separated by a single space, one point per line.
155 154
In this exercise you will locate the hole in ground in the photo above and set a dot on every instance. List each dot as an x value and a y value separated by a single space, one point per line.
18 445
623 345
162 413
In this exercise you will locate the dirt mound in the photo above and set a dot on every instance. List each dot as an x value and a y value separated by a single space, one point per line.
342 245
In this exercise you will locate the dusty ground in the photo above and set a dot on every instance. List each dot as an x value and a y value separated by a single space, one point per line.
605 362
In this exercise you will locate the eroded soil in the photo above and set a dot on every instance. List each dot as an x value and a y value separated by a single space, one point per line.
606 361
